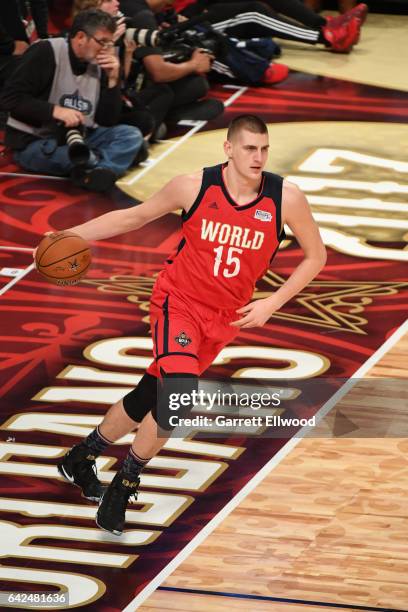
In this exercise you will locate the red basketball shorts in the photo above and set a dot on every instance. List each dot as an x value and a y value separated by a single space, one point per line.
187 335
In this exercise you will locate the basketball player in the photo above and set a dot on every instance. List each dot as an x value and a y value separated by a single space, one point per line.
233 218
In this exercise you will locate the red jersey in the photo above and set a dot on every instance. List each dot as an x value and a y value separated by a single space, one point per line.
226 247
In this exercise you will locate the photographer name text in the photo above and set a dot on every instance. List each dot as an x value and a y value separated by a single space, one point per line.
252 421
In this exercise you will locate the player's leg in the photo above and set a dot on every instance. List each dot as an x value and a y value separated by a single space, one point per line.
176 340
78 464
152 434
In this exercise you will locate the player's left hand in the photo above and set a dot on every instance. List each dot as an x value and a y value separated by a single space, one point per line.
255 314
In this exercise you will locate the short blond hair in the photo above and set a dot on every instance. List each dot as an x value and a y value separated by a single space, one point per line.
252 123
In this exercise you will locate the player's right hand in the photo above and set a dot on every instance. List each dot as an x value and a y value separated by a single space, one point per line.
68 116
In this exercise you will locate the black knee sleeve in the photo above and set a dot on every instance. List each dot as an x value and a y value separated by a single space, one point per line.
175 394
142 399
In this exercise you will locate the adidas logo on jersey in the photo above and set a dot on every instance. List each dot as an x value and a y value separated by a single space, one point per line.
213 205
263 215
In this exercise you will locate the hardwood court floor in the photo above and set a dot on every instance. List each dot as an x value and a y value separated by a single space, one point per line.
329 524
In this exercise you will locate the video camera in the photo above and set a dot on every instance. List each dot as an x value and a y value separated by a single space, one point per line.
180 40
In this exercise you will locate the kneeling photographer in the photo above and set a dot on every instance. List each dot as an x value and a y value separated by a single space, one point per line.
61 85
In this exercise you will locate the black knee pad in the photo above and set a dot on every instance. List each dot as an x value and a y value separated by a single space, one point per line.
175 395
141 399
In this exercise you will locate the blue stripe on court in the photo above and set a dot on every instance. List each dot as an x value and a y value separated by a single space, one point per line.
304 602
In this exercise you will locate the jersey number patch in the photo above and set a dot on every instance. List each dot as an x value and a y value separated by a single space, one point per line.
232 262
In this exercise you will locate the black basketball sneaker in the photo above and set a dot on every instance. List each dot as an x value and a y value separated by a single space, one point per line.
78 467
112 508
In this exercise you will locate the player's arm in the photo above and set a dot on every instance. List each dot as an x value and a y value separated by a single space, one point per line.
297 215
178 193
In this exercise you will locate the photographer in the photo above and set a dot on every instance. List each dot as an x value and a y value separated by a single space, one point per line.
248 61
63 84
186 79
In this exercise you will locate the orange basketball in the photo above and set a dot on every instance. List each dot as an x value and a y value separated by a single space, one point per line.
63 258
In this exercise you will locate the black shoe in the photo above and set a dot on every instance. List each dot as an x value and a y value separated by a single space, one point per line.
142 154
78 467
159 133
93 179
112 508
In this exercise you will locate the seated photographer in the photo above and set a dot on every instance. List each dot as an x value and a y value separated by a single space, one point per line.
247 61
186 78
145 109
62 84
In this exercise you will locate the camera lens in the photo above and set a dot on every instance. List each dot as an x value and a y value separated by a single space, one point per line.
78 152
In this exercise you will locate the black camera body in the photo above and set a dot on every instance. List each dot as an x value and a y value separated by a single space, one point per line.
182 47
179 41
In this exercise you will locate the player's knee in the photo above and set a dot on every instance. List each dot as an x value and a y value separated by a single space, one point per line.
175 397
141 399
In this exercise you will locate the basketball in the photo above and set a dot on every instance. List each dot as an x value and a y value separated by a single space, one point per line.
63 258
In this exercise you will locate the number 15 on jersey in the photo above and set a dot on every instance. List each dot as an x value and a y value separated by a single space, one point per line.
232 263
